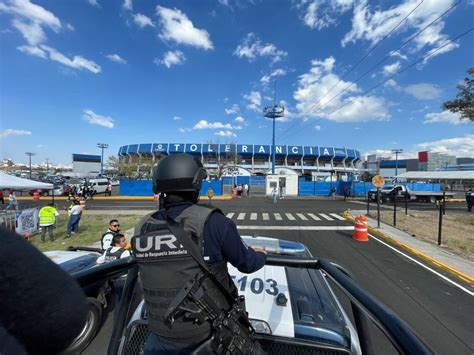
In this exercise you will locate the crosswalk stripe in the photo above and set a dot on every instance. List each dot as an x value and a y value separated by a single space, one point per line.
326 217
290 216
302 216
278 216
241 216
335 215
265 216
253 216
230 215
313 216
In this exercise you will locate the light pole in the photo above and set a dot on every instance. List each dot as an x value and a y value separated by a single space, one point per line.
30 155
102 146
396 152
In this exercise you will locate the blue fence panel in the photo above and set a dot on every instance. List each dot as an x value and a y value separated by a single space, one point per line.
305 188
215 185
135 188
323 188
257 180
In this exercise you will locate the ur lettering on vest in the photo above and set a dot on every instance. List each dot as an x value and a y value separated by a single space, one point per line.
165 266
47 216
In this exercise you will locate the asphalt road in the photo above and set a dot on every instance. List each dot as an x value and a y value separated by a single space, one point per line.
439 312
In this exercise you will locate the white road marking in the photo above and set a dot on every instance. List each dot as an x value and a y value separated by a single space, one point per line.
302 216
265 216
424 266
313 216
296 228
326 217
253 216
230 215
335 215
278 216
290 216
241 216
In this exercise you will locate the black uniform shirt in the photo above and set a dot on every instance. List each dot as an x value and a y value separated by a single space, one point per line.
222 242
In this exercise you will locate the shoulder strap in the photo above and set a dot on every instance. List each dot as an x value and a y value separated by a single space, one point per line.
179 232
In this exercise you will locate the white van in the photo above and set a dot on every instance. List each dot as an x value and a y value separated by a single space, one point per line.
99 185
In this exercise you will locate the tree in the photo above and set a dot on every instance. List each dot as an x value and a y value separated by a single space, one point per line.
464 102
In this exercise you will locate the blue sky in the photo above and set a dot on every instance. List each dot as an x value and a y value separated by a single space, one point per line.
78 72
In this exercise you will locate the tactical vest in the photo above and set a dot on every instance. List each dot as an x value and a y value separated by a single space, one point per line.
109 256
165 266
102 239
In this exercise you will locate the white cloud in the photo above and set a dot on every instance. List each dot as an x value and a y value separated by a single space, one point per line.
232 110
177 118
177 27
445 116
459 146
184 130
116 58
317 127
373 25
95 119
127 5
14 132
391 69
225 134
387 154
390 83
251 47
239 119
265 80
93 3
314 98
319 14
35 51
142 20
255 100
203 124
398 54
423 91
171 58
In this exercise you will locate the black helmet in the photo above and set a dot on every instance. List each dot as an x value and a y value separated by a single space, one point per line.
178 172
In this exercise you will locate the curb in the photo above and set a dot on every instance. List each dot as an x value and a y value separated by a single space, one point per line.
118 198
460 275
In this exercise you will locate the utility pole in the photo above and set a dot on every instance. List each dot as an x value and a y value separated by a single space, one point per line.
102 146
30 155
47 166
273 111
396 152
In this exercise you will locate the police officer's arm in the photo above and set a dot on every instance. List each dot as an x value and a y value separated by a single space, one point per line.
233 248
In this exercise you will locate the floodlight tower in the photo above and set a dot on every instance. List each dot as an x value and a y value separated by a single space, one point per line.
102 146
30 155
274 111
396 152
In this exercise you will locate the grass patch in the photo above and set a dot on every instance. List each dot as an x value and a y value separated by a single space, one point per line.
91 228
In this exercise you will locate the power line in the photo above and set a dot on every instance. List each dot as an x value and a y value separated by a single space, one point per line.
387 56
369 52
426 56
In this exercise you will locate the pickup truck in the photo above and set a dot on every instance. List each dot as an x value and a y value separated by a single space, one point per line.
388 193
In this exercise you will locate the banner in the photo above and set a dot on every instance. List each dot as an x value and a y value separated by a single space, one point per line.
27 221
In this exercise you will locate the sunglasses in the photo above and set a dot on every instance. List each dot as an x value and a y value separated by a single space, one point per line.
115 225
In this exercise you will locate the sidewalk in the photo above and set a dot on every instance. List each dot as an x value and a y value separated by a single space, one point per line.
443 259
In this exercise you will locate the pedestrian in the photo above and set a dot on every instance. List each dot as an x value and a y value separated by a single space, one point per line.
275 195
178 244
12 201
239 191
346 192
47 221
333 192
210 195
75 213
108 190
106 239
246 189
116 250
469 199
2 199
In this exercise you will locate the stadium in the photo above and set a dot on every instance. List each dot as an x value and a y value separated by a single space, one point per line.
255 159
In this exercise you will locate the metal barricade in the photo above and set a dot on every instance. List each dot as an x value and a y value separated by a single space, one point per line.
8 219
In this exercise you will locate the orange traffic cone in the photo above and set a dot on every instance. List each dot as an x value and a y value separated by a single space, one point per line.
360 229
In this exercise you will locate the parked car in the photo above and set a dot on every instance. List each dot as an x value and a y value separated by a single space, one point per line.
389 192
98 185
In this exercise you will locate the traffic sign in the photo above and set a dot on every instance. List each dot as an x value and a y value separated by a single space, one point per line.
378 181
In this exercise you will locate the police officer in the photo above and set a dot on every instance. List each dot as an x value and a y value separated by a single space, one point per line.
165 265
469 200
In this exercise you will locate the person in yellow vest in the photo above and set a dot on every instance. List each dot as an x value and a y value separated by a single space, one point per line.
47 220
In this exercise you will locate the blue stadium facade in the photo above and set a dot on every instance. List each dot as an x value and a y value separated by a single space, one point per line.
256 157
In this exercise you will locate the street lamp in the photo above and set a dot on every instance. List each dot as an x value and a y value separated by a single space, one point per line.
102 146
396 152
30 155
273 111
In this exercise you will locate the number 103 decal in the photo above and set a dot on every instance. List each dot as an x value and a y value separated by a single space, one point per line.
257 285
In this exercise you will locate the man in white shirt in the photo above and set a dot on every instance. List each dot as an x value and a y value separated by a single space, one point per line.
75 213
116 251
106 239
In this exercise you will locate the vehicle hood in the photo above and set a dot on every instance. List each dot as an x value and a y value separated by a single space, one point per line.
73 261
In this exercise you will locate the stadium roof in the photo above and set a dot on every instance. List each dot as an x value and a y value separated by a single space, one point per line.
438 175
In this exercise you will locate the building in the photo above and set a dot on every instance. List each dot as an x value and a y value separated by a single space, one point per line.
434 161
85 165
312 161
